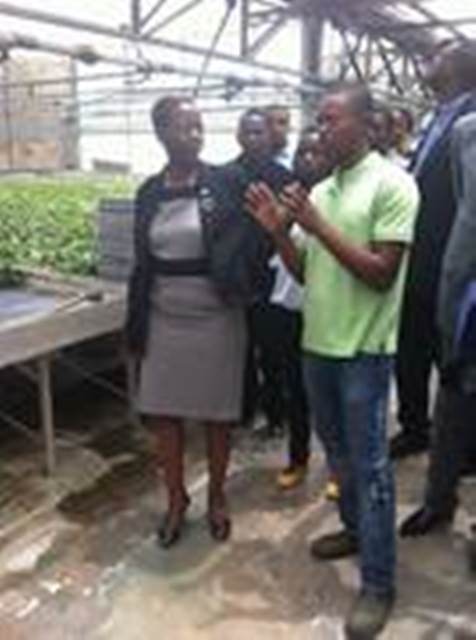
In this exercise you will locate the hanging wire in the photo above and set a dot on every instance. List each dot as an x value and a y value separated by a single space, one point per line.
231 4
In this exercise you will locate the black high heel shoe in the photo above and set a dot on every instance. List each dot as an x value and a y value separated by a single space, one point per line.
170 531
219 522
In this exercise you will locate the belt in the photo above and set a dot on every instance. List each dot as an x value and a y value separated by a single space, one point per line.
181 267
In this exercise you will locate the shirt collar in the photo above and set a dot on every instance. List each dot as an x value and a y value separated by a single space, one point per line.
363 163
454 103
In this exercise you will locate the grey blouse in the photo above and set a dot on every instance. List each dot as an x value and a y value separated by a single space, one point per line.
176 233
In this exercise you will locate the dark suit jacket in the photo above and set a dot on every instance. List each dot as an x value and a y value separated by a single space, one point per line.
437 208
457 304
246 171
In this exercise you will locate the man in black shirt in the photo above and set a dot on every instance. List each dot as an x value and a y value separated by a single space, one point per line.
255 164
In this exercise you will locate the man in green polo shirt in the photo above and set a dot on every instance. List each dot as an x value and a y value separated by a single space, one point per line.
359 225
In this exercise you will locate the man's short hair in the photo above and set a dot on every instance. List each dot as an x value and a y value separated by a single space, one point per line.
385 111
252 112
463 58
275 106
309 130
408 116
359 97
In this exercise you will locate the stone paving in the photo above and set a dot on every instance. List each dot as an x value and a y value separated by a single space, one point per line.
79 561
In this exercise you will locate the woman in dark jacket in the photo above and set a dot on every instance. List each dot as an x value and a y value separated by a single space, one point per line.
187 332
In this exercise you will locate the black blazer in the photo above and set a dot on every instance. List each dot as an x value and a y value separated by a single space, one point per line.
437 207
459 264
236 247
242 172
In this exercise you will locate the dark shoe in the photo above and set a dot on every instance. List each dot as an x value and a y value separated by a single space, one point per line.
424 521
220 528
472 551
170 531
219 522
274 429
406 444
369 616
334 546
468 468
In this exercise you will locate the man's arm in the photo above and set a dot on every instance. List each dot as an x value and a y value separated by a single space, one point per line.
289 253
377 265
264 207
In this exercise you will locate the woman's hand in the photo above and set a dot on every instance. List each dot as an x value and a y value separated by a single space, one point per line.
295 199
264 207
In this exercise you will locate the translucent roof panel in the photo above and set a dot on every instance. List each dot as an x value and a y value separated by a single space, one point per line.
451 10
454 14
106 12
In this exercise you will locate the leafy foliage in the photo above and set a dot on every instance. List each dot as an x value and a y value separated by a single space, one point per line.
52 223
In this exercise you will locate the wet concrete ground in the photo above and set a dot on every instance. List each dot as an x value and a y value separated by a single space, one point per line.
79 561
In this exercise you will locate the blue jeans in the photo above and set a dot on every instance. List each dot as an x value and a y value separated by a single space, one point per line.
348 399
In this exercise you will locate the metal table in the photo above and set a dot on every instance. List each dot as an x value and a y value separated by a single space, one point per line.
47 314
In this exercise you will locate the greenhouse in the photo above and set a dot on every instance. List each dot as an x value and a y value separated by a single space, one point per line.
238 319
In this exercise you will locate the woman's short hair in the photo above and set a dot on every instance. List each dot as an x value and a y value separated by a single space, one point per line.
163 111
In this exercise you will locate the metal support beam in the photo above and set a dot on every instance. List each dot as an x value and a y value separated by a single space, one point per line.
46 412
64 21
266 36
368 59
175 15
72 124
144 66
352 54
417 6
312 33
135 16
389 68
350 62
431 24
244 27
216 39
7 115
152 13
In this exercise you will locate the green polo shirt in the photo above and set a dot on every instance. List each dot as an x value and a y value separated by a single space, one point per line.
373 201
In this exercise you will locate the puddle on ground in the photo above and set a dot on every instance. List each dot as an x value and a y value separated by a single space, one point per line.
115 442
112 491
19 496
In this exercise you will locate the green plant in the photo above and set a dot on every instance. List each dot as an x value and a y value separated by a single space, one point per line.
51 223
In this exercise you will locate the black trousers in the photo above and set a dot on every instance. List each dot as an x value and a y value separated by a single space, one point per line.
417 354
274 374
454 432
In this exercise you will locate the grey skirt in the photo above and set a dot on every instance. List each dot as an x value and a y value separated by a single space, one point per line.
194 363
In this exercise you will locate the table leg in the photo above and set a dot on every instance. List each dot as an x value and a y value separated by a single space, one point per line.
46 412
132 381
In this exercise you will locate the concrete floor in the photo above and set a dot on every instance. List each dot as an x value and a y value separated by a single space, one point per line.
79 561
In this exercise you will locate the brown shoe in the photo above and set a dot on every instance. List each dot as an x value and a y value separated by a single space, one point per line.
291 476
332 490
334 546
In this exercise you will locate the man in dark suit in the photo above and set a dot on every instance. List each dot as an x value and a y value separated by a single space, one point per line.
455 412
451 76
